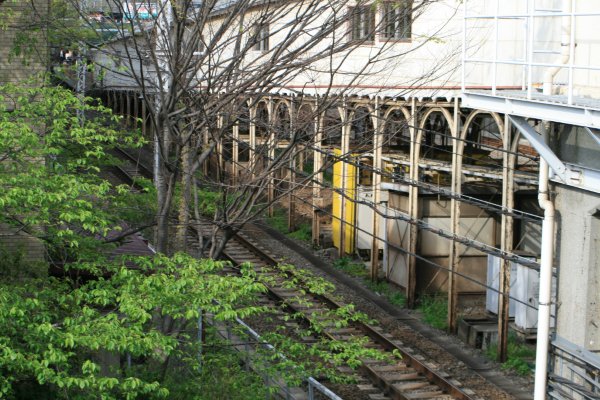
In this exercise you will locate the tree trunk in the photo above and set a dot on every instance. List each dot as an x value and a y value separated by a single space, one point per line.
180 243
162 217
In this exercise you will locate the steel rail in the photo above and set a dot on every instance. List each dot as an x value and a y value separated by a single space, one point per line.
441 380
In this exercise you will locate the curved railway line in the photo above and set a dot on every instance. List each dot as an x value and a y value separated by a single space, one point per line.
413 377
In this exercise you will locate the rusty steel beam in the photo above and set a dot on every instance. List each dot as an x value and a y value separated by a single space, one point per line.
413 199
454 256
376 183
506 241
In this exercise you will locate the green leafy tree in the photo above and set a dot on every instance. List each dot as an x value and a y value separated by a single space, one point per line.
115 328
49 170
54 333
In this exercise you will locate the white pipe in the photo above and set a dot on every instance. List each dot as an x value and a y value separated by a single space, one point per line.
547 258
565 50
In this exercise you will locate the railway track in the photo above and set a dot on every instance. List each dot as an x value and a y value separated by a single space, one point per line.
411 378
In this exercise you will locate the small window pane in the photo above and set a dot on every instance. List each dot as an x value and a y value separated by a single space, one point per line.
262 38
397 20
362 23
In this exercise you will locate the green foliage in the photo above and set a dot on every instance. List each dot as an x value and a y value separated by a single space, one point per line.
351 268
279 221
435 310
207 201
387 290
58 336
221 376
303 232
52 331
520 358
317 358
14 265
383 288
50 165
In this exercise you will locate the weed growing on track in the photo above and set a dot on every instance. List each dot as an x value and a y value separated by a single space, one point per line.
435 310
279 222
520 356
383 288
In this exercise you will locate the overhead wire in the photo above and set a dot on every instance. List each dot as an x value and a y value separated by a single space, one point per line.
438 231
421 224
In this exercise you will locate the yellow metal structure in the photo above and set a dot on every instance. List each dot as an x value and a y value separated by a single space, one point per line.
348 185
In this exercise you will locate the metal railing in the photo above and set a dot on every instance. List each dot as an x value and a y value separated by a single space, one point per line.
574 372
527 61
285 391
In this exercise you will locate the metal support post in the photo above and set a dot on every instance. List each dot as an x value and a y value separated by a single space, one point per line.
136 109
292 180
121 104
128 109
271 145
206 164
376 186
220 149
413 200
318 177
506 243
454 256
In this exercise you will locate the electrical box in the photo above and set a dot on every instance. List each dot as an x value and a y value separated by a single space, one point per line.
524 293
526 315
493 285
365 215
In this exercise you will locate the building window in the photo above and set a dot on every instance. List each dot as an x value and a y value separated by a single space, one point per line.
396 20
362 23
262 38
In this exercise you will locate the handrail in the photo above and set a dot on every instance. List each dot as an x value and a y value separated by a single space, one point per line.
575 371
312 383
529 20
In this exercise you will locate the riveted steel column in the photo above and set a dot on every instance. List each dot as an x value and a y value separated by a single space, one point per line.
271 145
506 241
113 104
292 173
376 182
121 103
413 201
128 109
454 256
136 109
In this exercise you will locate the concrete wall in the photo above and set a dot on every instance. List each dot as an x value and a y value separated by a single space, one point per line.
578 261
17 14
15 246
